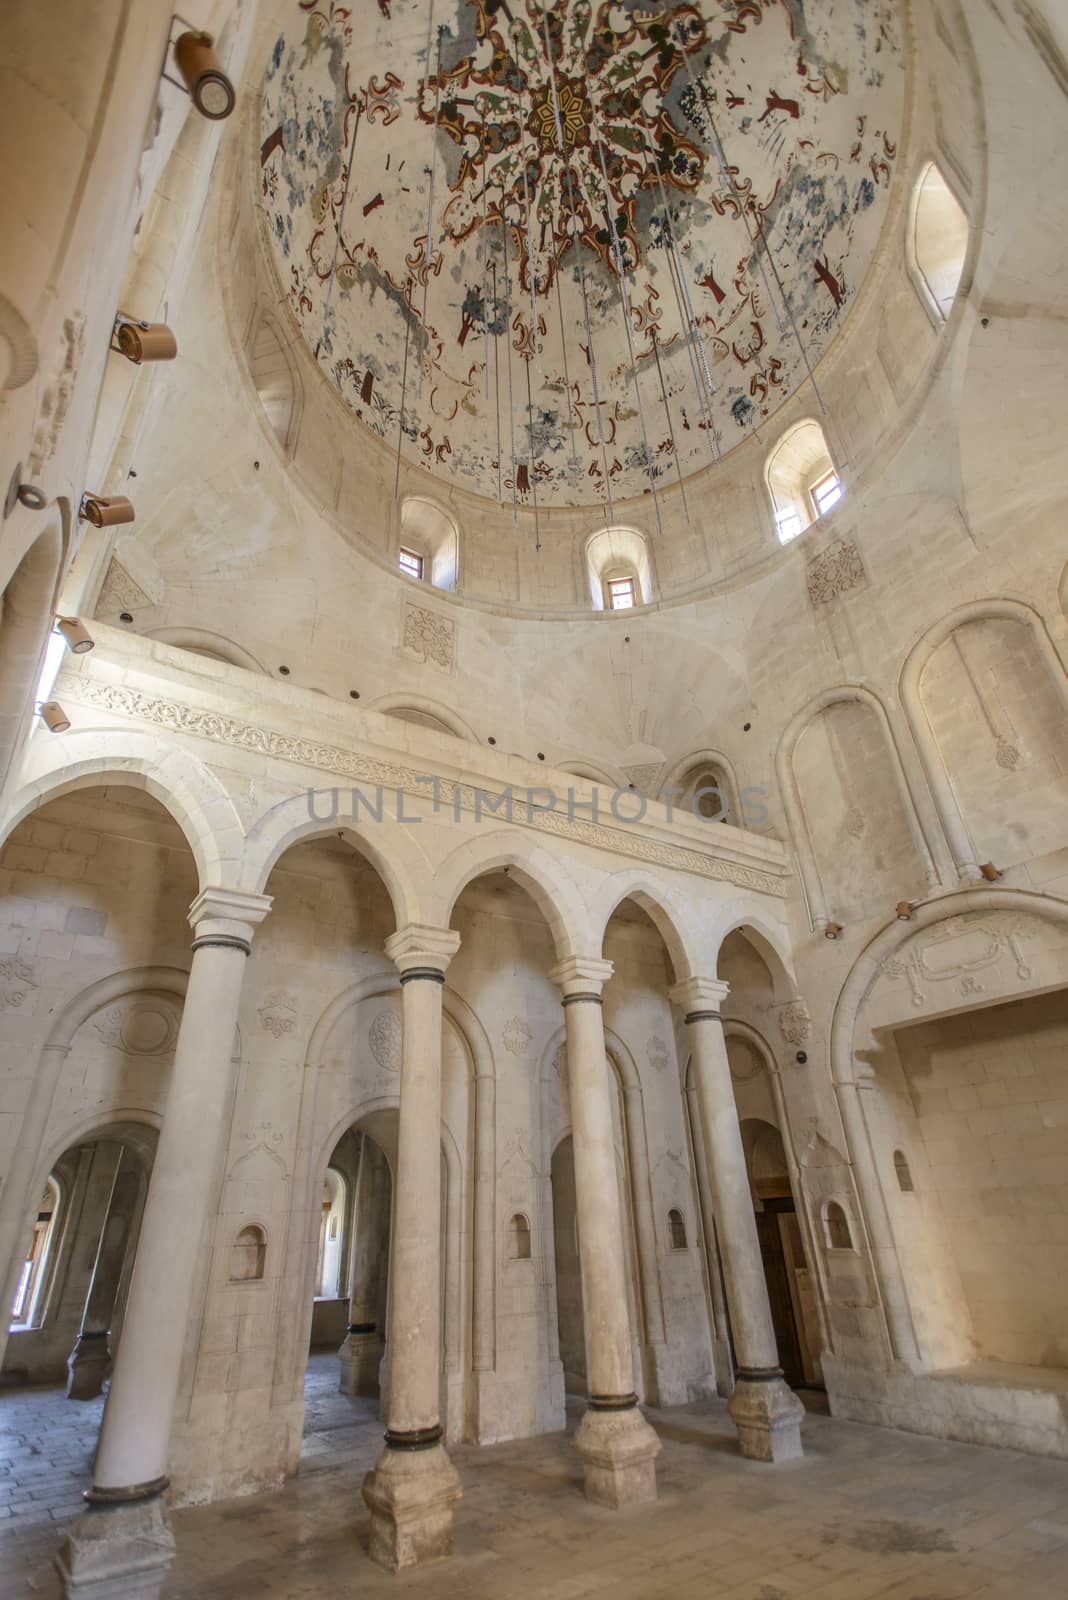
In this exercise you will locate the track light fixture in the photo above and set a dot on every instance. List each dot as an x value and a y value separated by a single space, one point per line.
203 78
143 341
77 635
832 930
54 717
904 910
104 511
990 872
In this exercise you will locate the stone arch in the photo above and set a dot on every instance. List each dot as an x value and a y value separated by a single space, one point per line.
951 813
213 646
681 773
812 872
427 712
544 878
769 941
867 968
185 787
667 915
399 864
594 772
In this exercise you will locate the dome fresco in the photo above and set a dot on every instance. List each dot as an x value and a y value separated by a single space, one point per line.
645 223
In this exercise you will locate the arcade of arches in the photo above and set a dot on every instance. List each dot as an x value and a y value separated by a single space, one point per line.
534 798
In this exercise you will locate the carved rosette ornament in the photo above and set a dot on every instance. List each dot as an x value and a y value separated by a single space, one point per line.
835 571
795 1024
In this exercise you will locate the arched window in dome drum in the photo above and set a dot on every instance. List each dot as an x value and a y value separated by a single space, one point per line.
938 240
802 479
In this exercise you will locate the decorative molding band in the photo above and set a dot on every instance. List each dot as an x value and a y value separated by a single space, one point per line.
220 728
414 1438
703 1016
102 1499
582 999
612 1402
757 1374
425 974
223 941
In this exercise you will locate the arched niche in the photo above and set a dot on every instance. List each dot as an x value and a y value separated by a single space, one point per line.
937 241
26 615
210 646
988 700
614 556
429 532
859 841
276 381
708 791
802 479
248 1254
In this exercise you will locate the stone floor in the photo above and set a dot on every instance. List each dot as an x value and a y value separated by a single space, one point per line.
868 1513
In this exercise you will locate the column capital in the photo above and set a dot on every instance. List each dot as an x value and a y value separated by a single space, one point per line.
581 975
699 994
227 916
418 947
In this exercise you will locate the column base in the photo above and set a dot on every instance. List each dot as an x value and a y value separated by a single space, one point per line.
360 1357
411 1494
122 1551
767 1415
619 1451
88 1366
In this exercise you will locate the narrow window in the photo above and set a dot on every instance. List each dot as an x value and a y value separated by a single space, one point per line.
788 524
826 492
620 593
411 563
519 1238
677 1227
838 1234
904 1175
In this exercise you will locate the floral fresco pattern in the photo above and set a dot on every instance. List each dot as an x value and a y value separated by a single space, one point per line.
565 253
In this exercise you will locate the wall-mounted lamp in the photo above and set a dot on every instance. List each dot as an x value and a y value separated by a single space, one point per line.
104 512
990 872
904 910
832 930
54 717
77 635
143 341
203 78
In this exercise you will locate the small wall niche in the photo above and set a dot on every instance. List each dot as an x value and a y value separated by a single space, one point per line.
836 1226
519 1238
677 1229
248 1255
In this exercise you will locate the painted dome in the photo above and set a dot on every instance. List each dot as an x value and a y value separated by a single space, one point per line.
565 256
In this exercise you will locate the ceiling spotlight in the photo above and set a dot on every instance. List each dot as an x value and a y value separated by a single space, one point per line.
904 911
143 341
202 75
832 930
990 872
103 512
54 717
77 635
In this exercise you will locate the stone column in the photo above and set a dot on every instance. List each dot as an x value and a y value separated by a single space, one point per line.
414 1487
765 1412
123 1546
361 1352
90 1361
616 1443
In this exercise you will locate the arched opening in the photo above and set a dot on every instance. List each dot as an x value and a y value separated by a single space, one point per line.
708 794
836 1227
802 479
429 543
619 569
68 1309
938 240
275 381
333 1227
903 1172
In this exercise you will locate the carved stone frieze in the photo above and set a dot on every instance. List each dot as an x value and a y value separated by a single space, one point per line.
955 952
220 728
121 593
386 1039
16 981
138 1028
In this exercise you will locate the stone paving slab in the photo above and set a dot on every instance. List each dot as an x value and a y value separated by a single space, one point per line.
869 1514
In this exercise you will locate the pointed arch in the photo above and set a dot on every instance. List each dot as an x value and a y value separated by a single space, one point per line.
542 875
668 916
